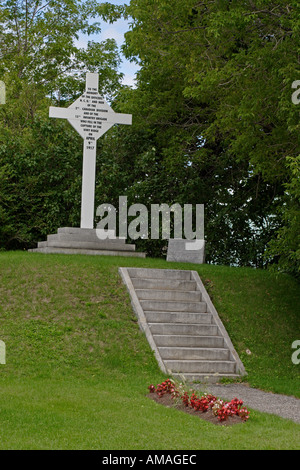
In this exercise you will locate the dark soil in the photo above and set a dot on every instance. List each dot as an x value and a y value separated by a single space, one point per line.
208 415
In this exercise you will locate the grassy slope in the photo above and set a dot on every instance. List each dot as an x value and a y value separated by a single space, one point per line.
78 366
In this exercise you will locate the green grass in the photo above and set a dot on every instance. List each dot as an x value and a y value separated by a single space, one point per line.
78 366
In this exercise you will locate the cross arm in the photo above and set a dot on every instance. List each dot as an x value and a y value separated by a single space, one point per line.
122 118
63 113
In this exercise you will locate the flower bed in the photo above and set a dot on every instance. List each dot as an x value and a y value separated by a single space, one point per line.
209 406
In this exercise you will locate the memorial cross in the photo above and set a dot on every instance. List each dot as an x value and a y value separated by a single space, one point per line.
91 117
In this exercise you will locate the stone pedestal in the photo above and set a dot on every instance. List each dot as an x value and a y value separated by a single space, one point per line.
71 240
186 251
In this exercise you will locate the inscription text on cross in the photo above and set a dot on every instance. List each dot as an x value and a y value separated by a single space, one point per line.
91 116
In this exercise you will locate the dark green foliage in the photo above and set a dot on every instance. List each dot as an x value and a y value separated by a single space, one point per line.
41 182
214 93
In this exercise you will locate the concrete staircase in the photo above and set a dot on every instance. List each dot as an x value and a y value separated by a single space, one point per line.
72 240
181 324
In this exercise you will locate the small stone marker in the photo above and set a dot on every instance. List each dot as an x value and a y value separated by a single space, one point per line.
186 251
2 92
91 117
189 250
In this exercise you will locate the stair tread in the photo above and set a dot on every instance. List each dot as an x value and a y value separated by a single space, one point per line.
187 335
187 324
155 279
204 374
207 377
169 285
86 250
193 361
193 347
164 290
177 313
160 295
178 319
149 273
171 323
175 301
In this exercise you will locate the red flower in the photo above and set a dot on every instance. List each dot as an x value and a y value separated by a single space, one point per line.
221 409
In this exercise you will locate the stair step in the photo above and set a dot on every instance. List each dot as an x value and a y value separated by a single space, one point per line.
167 295
178 317
204 378
171 274
77 251
96 245
171 306
194 366
210 354
182 329
167 284
84 235
189 341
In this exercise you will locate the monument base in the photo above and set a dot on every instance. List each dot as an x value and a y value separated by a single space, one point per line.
186 251
84 241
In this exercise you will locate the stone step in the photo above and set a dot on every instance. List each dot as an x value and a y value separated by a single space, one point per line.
167 295
182 366
210 378
178 317
171 274
83 237
169 306
96 245
200 341
79 230
167 284
210 354
182 329
70 231
74 251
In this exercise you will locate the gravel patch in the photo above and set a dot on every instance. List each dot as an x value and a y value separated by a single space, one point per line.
282 405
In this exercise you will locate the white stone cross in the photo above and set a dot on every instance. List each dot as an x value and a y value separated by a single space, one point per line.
91 116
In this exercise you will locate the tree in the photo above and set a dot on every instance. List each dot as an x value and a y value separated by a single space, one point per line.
214 90
285 248
41 159
37 46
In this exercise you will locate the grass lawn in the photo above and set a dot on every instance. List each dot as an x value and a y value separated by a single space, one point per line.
78 366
